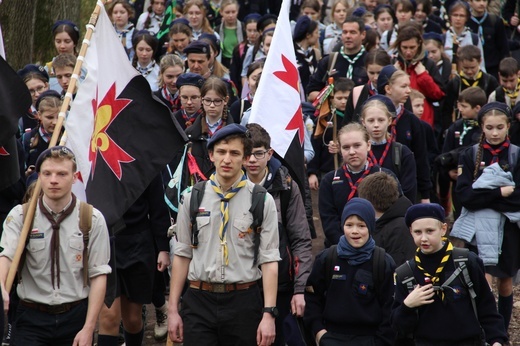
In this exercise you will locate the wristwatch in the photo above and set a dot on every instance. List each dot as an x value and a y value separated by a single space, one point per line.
273 310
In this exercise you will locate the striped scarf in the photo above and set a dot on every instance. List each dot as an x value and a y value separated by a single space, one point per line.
225 197
352 61
435 278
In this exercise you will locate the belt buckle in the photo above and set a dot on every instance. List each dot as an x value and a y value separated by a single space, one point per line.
218 288
57 309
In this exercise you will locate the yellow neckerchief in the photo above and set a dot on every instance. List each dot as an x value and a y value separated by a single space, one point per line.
435 278
513 95
474 82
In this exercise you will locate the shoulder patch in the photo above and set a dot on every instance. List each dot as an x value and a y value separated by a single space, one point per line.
8 220
459 170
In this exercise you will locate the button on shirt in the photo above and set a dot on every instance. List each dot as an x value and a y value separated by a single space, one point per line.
207 258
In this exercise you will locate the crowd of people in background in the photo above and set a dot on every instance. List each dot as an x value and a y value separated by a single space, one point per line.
418 156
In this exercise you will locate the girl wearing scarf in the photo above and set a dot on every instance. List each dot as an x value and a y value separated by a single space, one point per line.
145 46
495 119
152 19
120 12
352 309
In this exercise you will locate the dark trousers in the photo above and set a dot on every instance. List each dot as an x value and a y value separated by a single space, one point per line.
221 318
283 302
37 328
337 339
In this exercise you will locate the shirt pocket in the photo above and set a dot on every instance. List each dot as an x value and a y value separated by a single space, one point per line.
36 256
203 225
363 285
241 232
75 254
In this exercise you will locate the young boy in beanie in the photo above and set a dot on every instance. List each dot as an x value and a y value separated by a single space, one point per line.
351 306
434 300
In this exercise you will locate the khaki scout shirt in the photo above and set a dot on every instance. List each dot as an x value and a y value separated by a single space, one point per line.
36 283
207 259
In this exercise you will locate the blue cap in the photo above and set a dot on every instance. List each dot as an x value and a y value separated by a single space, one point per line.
424 211
301 28
33 68
70 24
359 12
384 76
47 94
434 36
197 47
361 208
180 21
264 21
48 152
252 17
226 131
382 98
497 106
190 78
214 41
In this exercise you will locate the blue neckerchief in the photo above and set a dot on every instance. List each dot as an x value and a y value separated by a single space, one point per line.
480 28
355 256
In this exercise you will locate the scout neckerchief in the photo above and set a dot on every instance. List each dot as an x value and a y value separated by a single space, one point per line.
371 90
443 13
55 237
351 61
468 125
190 119
145 71
215 6
469 82
215 127
383 156
353 186
480 27
249 97
513 94
496 152
435 277
308 56
400 111
122 33
225 197
46 136
168 96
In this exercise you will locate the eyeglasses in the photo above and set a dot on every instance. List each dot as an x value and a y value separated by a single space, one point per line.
208 102
259 154
189 98
38 90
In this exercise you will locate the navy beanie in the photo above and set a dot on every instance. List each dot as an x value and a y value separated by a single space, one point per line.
424 211
384 76
384 99
362 208
498 106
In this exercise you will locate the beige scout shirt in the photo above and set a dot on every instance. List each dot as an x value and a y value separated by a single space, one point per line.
36 283
207 260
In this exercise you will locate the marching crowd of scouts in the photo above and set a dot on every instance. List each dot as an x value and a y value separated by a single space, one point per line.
424 103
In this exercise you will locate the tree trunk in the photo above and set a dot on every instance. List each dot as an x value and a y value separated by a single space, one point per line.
27 28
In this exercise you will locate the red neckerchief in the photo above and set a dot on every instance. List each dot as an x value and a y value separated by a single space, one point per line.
393 125
496 152
166 94
383 156
249 97
353 186
371 91
221 125
189 120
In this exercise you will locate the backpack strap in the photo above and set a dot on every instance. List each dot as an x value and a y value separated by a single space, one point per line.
379 266
405 273
257 210
197 193
241 108
330 261
512 157
397 149
85 225
355 94
285 199
460 260
389 37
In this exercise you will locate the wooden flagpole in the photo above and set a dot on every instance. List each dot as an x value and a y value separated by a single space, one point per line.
54 139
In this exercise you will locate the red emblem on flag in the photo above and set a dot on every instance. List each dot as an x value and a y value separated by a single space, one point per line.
105 113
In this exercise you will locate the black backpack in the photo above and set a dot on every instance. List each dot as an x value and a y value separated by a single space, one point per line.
257 210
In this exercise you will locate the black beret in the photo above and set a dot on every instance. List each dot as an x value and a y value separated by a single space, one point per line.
384 76
33 68
252 17
47 94
226 131
48 152
189 78
382 98
424 211
197 47
498 106
265 20
301 28
359 12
